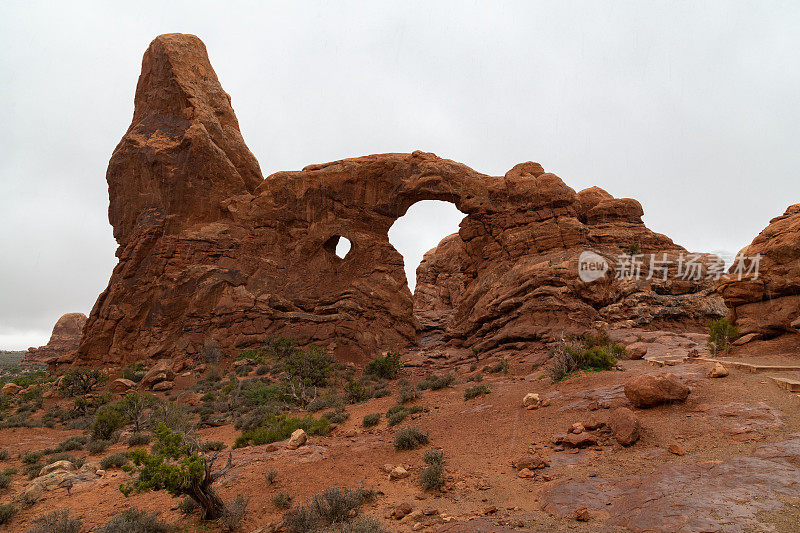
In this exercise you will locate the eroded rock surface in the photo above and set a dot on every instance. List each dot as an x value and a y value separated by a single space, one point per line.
769 305
211 251
689 497
63 341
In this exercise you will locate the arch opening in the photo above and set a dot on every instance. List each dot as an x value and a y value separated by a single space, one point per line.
421 229
338 246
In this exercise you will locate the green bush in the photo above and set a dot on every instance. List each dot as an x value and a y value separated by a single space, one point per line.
134 520
386 367
81 381
282 500
432 476
116 460
721 333
312 366
590 352
409 438
7 512
371 420
31 457
72 444
233 514
98 446
188 505
4 455
56 522
134 372
107 420
406 393
271 476
501 366
396 414
139 439
280 427
337 416
475 391
5 480
437 382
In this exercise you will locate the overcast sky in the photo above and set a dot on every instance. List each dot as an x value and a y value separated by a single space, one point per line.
691 108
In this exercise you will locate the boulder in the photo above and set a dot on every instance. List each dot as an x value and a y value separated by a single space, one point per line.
531 461
11 389
531 401
121 385
398 472
637 350
297 439
161 371
163 386
649 390
57 466
401 511
624 426
718 371
744 339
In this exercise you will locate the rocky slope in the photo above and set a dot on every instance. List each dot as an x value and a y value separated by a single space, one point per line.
770 305
210 251
63 341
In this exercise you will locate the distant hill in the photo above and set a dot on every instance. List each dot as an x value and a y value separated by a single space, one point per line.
8 358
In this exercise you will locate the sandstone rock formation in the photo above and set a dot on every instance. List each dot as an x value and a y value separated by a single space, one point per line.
649 390
65 339
211 251
769 305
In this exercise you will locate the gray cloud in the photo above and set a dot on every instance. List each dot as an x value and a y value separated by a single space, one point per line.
692 108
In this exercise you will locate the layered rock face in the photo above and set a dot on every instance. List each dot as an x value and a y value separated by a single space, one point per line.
208 250
770 305
526 287
64 340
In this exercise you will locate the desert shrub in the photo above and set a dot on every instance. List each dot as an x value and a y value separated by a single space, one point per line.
212 446
410 438
233 514
327 401
589 352
436 382
135 520
116 460
134 372
107 420
9 471
4 455
362 524
7 512
312 366
139 439
210 351
386 367
721 333
134 408
280 427
56 522
632 249
73 443
476 378
406 392
98 446
31 457
282 500
32 469
335 504
475 391
357 391
188 505
396 414
371 420
270 476
501 366
432 476
81 381
337 416
5 480
300 519
172 415
262 370
177 466
243 370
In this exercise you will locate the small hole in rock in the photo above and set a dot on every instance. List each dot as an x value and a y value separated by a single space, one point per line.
338 245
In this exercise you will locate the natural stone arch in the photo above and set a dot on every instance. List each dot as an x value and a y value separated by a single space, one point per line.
208 250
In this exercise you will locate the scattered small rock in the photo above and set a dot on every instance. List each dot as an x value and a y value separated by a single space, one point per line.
582 514
718 371
676 448
401 511
577 428
637 350
163 386
398 472
624 426
531 401
532 461
297 439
